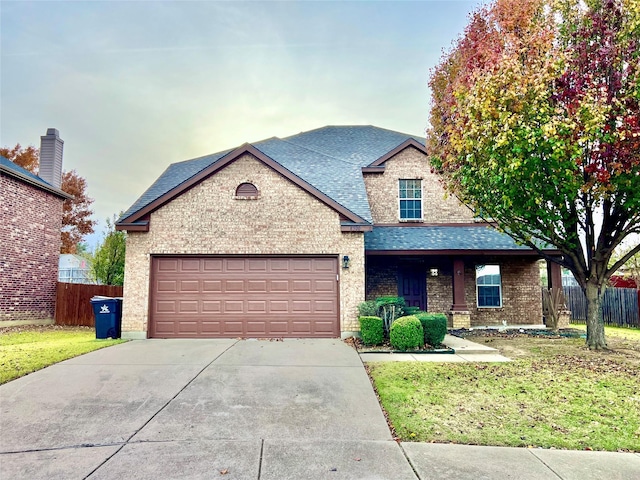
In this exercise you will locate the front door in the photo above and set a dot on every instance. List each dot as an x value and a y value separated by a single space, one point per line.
412 286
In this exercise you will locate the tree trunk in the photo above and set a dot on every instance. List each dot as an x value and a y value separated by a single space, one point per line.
595 324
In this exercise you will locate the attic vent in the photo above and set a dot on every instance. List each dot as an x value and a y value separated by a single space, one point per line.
246 190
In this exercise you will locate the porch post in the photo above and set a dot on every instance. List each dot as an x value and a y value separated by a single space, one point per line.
460 316
459 302
554 280
554 275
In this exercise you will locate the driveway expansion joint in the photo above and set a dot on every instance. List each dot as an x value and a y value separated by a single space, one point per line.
415 472
532 452
126 442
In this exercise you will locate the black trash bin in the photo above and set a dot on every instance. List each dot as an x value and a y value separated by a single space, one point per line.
107 312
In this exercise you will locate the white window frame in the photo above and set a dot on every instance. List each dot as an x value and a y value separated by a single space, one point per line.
400 199
499 285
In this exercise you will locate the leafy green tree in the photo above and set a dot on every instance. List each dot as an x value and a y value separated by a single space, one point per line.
535 124
108 260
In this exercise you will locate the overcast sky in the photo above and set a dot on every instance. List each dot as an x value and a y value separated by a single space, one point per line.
135 86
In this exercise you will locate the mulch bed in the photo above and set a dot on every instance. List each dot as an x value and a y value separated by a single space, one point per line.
387 348
519 332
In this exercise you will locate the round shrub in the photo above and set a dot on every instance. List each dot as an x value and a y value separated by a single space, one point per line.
434 326
371 330
406 333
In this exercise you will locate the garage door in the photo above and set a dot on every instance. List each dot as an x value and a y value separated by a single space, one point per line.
244 297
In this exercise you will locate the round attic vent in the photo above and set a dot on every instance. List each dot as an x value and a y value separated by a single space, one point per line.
246 190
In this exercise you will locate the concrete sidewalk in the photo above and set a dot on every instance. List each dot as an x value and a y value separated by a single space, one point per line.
203 409
465 351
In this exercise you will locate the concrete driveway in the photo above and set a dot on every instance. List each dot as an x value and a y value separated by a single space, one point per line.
200 409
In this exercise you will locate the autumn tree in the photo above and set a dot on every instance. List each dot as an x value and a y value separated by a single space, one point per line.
76 212
108 260
535 124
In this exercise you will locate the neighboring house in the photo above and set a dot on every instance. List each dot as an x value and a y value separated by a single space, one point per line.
74 269
285 237
30 223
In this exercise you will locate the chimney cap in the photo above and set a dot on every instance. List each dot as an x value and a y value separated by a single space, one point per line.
53 131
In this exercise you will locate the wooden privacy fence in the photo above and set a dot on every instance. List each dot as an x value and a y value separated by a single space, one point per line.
619 306
73 302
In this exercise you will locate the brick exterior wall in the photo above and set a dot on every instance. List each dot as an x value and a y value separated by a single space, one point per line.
437 206
521 298
30 223
521 294
207 219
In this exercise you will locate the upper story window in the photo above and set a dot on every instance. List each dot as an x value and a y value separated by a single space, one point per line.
410 199
246 190
489 286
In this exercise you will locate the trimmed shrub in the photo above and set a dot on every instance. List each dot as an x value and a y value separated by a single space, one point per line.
368 309
371 330
406 333
412 311
434 326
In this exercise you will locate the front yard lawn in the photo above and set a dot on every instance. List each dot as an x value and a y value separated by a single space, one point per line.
26 349
555 394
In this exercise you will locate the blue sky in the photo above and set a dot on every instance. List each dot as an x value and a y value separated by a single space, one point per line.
135 86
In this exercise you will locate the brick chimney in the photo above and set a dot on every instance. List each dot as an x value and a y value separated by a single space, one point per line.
51 157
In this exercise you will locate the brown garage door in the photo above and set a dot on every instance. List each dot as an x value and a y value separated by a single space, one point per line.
244 297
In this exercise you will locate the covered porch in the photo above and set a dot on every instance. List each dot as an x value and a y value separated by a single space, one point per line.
474 274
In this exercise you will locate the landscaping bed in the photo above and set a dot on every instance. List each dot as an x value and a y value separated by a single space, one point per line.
386 347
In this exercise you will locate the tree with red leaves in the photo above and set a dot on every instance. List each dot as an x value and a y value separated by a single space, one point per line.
535 124
76 212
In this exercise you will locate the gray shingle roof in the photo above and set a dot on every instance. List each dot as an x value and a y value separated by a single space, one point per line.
430 238
328 158
361 145
17 170
174 175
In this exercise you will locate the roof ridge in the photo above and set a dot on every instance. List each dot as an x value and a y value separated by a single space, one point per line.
318 152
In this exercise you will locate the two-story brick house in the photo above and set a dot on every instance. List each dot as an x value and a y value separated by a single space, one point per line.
285 237
30 223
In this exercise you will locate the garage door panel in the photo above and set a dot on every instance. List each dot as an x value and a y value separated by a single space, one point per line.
212 286
167 265
169 286
235 265
301 306
257 286
212 265
244 297
233 306
301 286
190 286
188 265
187 306
325 286
257 306
279 306
279 286
166 306
326 265
324 306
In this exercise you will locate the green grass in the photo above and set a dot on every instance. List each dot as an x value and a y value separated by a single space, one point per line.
556 393
25 350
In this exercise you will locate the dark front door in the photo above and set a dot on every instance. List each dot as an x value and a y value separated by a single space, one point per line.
412 286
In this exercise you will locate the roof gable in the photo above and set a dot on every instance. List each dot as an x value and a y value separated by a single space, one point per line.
216 163
326 162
